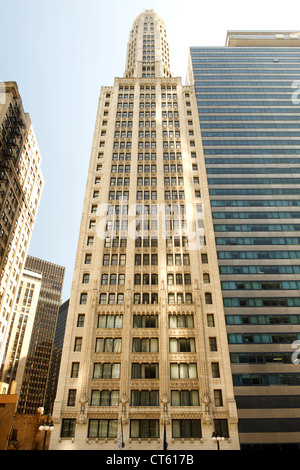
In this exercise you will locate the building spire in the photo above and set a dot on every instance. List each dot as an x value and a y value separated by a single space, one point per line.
148 48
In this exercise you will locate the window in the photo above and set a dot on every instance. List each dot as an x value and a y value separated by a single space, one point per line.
213 344
221 427
183 371
204 258
210 319
208 298
68 428
110 321
144 428
108 345
218 398
83 299
72 398
145 345
85 279
75 370
182 345
106 371
145 321
77 344
215 370
144 398
186 428
181 321
144 371
103 428
185 398
105 398
80 320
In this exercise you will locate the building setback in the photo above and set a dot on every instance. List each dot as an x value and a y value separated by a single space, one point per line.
145 350
248 104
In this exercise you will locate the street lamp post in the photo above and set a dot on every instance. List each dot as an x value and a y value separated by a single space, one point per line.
217 439
46 426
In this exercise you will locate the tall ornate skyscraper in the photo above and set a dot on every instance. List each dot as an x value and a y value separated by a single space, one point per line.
145 358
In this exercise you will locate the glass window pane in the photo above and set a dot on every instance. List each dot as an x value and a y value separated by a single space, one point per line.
192 371
154 428
195 428
173 345
106 371
117 345
184 372
110 321
95 401
174 371
101 321
144 428
154 398
186 428
175 398
99 345
118 321
103 427
144 398
176 428
105 395
134 428
93 428
185 398
116 371
97 371
114 398
194 398
113 428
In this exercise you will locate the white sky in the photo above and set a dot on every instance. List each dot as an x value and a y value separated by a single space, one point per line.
61 52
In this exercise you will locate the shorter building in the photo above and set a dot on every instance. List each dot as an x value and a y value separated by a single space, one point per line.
20 330
37 367
7 412
21 432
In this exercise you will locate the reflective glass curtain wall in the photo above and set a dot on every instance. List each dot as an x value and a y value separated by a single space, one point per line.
250 126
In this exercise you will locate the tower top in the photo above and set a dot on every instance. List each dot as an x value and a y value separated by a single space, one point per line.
148 48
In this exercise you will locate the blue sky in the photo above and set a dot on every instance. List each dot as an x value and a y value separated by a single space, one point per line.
61 52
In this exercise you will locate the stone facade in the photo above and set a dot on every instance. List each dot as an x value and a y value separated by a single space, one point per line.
145 347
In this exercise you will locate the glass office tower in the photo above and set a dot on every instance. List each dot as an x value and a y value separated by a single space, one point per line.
247 97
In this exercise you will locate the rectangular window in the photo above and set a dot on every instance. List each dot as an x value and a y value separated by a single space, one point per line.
145 345
144 371
75 370
144 398
144 428
105 398
183 371
68 427
106 371
103 428
186 428
185 398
